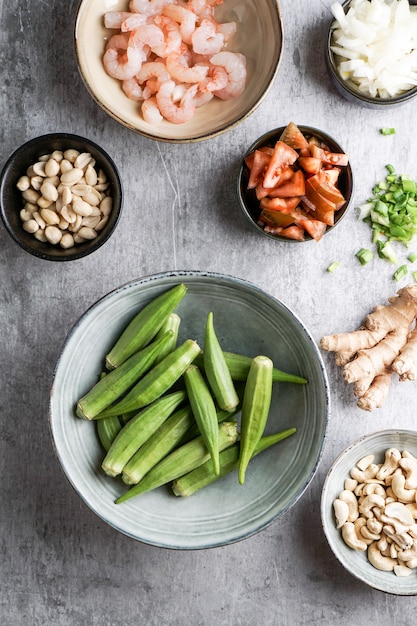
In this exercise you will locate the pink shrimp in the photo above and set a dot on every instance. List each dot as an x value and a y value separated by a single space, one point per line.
203 8
122 60
177 66
151 75
235 65
147 7
134 20
177 113
184 17
217 78
151 112
150 35
132 89
205 39
115 19
202 97
172 36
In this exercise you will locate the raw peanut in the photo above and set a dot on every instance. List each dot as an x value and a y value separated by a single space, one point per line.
68 214
53 180
49 191
76 225
49 216
82 208
25 215
80 189
71 154
36 182
71 176
65 166
39 168
63 224
40 235
91 221
82 160
57 155
101 177
23 183
102 223
87 233
44 158
37 216
91 175
31 226
51 167
53 234
106 205
31 195
66 195
67 241
43 203
78 238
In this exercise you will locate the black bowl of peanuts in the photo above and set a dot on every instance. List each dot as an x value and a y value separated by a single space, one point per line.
60 196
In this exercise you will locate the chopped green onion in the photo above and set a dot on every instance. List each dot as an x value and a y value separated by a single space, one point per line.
387 131
390 168
385 251
412 257
364 255
333 266
400 273
415 276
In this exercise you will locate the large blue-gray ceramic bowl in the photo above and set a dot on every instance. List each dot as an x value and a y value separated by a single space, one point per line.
247 320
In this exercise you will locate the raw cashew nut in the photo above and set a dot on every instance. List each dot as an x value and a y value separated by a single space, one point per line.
351 501
409 554
409 466
366 506
401 492
384 563
341 511
363 475
351 539
392 457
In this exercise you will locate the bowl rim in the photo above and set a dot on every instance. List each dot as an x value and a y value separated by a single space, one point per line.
229 280
77 252
348 87
268 135
324 510
198 137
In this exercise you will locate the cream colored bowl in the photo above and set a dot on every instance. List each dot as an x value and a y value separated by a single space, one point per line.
259 37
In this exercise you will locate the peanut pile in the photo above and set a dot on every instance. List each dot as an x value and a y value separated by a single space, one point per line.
377 511
67 201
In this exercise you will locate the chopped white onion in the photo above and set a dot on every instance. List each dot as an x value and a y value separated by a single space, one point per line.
375 44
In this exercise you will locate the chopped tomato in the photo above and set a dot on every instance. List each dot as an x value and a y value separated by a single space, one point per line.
282 156
310 164
333 158
331 174
315 228
275 218
293 137
259 164
320 183
279 204
295 186
293 232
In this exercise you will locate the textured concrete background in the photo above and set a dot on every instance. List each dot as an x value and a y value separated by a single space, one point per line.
60 565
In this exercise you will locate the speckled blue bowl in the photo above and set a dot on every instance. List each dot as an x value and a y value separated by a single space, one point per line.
248 320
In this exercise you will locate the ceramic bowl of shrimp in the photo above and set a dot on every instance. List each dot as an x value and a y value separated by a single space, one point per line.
42 218
295 184
178 72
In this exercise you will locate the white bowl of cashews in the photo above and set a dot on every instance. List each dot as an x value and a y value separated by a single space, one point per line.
369 510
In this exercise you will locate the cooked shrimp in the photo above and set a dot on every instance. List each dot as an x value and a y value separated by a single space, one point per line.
153 69
184 17
132 89
228 29
150 35
151 112
217 78
177 66
148 7
134 20
177 113
172 36
235 65
122 60
203 8
201 98
115 19
205 39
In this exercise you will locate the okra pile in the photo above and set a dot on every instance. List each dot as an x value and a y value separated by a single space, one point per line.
167 413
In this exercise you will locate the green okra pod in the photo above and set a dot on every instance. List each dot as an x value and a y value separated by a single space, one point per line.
216 369
114 384
255 409
239 365
171 325
156 381
204 411
134 434
161 443
181 461
229 461
107 430
145 325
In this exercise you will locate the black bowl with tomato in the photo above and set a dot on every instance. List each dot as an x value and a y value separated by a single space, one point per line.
295 183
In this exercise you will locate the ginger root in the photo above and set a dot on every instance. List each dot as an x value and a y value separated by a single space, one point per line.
385 344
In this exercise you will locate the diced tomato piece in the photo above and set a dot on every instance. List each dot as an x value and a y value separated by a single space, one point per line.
334 158
315 228
316 152
331 174
275 218
327 190
293 137
280 204
309 164
259 165
293 232
249 158
324 210
295 186
282 156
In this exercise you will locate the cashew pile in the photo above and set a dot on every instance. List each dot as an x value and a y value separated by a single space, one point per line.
67 201
377 511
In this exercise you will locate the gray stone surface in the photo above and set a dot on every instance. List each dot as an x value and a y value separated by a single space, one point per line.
60 564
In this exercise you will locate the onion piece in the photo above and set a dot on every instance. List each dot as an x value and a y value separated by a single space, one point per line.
375 44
